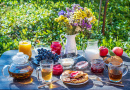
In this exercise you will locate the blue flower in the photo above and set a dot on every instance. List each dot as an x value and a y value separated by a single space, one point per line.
61 12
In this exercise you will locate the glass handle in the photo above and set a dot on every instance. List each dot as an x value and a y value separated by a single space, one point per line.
62 39
37 72
126 70
83 48
6 66
106 68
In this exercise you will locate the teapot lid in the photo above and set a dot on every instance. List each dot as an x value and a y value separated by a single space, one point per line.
20 58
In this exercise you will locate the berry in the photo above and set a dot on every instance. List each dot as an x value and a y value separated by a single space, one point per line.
36 56
43 58
38 59
38 50
42 49
56 54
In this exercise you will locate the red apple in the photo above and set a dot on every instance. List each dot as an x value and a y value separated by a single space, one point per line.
103 51
118 51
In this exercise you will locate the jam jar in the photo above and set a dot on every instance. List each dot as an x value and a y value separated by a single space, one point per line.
57 69
56 47
97 66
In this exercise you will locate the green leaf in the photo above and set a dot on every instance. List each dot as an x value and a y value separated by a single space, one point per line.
111 53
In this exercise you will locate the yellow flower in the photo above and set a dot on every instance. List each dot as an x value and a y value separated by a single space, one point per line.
93 19
71 27
88 12
61 17
56 19
66 20
79 14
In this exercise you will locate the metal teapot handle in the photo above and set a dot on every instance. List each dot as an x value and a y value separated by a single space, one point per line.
6 66
62 39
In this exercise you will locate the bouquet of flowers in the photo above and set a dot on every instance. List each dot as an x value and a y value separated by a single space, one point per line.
76 19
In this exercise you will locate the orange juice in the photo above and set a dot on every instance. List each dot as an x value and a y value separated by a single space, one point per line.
25 47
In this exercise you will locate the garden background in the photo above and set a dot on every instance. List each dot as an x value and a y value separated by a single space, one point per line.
34 20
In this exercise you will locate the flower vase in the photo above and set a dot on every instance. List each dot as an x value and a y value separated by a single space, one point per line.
70 46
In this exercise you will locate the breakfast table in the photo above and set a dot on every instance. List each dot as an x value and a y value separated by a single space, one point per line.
33 83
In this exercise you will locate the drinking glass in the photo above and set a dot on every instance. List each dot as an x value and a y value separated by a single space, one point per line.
71 53
25 47
116 70
46 68
68 59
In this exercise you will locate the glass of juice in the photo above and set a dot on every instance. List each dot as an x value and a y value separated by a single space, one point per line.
25 47
46 69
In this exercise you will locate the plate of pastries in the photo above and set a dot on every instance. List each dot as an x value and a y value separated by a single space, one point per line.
74 77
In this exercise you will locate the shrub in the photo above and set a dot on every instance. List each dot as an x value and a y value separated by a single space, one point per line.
34 20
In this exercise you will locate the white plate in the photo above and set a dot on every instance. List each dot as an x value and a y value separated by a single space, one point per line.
35 49
75 83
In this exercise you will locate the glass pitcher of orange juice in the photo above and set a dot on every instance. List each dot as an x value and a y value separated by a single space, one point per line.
25 47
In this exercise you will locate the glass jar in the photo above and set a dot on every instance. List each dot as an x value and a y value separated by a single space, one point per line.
92 50
97 66
56 47
57 69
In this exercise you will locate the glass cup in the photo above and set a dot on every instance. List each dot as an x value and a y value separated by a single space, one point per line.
97 66
25 47
71 53
116 70
68 58
46 68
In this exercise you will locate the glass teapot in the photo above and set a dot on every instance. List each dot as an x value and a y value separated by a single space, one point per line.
20 68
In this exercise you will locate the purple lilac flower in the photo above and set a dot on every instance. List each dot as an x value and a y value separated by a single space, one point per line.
68 14
68 9
88 25
61 12
75 6
80 8
83 24
75 24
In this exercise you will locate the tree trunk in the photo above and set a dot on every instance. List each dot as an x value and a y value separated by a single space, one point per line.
104 17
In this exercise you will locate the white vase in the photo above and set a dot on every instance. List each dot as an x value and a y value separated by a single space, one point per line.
70 45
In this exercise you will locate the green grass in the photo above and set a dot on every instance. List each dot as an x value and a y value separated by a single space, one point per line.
34 20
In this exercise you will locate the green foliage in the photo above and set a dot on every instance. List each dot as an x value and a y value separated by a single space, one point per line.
34 20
